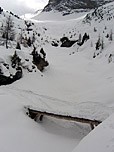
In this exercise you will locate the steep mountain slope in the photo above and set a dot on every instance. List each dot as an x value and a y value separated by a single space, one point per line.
15 35
69 5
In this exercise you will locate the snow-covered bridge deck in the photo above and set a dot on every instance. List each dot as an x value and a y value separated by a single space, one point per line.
38 115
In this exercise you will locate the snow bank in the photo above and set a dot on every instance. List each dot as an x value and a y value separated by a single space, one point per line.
101 139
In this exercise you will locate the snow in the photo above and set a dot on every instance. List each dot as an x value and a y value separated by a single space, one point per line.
58 83
57 16
101 139
73 84
20 133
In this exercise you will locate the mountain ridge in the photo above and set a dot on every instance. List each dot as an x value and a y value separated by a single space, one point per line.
70 5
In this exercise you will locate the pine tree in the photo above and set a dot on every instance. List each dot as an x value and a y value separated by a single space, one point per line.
98 44
33 38
29 42
43 53
102 44
8 31
80 38
15 60
110 58
18 46
1 10
20 37
111 35
1 70
95 30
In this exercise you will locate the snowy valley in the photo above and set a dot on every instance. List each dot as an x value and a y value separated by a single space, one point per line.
60 64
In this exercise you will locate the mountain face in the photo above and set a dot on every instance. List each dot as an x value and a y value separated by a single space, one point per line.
16 34
69 5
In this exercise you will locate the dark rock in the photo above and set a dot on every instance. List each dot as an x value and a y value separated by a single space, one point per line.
40 62
66 42
54 44
43 53
85 38
68 5
5 80
18 74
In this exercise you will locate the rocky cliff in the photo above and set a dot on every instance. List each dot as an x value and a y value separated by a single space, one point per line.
69 5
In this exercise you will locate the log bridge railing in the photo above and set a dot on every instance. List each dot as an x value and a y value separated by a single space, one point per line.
38 115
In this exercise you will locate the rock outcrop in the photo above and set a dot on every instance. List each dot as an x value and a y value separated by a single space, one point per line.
69 5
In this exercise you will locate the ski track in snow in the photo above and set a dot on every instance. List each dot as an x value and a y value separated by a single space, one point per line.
51 135
45 103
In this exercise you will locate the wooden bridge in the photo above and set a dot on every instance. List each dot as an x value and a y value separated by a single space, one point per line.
38 115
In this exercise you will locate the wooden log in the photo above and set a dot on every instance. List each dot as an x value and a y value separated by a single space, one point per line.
34 114
92 126
41 117
38 117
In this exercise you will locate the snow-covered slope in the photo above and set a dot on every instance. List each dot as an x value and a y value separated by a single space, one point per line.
20 133
78 81
100 140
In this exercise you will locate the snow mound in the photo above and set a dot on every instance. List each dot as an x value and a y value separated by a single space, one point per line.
101 139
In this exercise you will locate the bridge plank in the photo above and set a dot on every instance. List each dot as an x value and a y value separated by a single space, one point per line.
37 114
